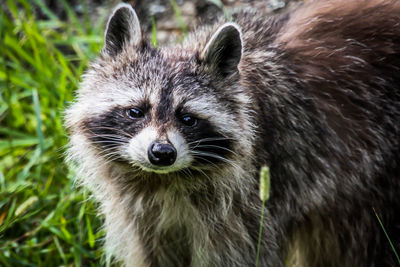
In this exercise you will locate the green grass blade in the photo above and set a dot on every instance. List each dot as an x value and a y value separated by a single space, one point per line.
387 236
260 234
91 238
153 32
60 249
45 10
178 16
36 105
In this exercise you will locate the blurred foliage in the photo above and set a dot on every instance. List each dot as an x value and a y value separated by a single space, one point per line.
44 219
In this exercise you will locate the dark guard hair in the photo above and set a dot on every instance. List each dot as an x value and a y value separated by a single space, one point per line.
313 93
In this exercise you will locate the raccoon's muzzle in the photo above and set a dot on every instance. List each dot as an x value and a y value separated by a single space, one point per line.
161 154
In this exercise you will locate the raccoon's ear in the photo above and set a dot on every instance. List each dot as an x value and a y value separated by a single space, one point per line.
224 50
123 28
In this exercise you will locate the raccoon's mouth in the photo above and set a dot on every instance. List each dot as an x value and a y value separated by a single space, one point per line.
159 170
156 169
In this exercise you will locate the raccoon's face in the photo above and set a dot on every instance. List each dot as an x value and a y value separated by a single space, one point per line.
166 110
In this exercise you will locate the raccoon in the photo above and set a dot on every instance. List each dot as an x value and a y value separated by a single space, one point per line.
170 140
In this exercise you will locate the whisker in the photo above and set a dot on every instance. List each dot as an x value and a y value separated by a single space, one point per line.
108 149
208 161
111 129
219 147
108 142
111 155
212 155
186 173
203 172
210 139
110 152
108 135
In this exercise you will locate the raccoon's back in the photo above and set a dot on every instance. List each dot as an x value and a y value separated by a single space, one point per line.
325 79
343 55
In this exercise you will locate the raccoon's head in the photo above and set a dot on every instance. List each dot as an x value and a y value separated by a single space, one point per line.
163 110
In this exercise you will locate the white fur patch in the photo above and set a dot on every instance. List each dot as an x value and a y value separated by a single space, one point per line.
184 158
136 151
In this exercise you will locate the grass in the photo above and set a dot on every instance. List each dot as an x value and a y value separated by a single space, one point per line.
178 17
388 237
44 219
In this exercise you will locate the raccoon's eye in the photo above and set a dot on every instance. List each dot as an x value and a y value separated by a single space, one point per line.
189 120
134 113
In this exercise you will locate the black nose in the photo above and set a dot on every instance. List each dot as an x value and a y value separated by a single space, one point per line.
161 154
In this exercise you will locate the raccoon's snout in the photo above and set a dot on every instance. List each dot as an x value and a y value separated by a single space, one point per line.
161 154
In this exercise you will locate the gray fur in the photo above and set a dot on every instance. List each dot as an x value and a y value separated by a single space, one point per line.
315 95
